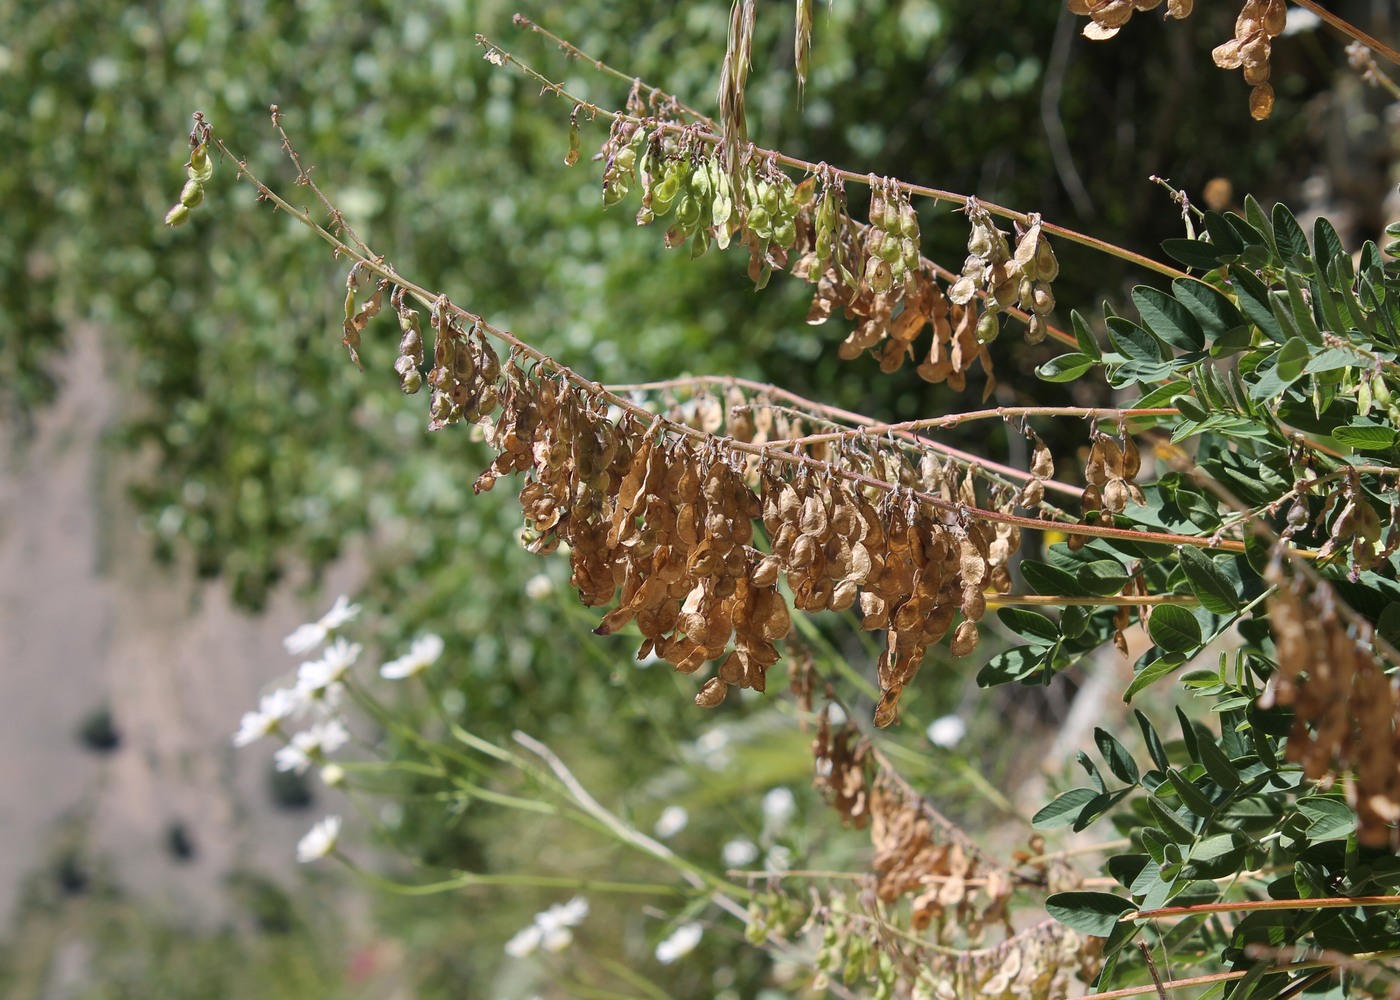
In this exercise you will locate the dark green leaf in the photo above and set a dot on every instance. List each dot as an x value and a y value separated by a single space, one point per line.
1102 577
1169 823
1084 336
1012 665
1254 302
1327 245
1063 809
1030 625
1222 234
1093 913
1066 367
1328 818
1119 761
1292 244
1091 769
1126 867
1153 672
1293 359
1368 437
1134 342
1191 796
1155 750
1216 314
1218 766
1259 219
1168 319
1208 582
1050 580
1197 253
1174 628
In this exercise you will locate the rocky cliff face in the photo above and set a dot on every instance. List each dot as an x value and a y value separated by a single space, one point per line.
86 622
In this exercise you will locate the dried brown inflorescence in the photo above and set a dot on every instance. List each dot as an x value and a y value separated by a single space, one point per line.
666 523
1258 24
1107 16
1347 711
857 945
871 273
920 855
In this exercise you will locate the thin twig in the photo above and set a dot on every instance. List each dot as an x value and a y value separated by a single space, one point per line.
1351 30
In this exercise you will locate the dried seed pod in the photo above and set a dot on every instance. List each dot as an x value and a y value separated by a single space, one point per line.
965 639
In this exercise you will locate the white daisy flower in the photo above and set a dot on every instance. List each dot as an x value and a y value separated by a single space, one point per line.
307 747
550 929
680 944
671 822
317 675
946 731
320 841
272 709
739 852
308 637
420 656
568 914
779 806
525 942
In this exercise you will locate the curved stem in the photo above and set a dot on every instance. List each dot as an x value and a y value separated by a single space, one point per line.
959 510
464 880
847 176
1351 30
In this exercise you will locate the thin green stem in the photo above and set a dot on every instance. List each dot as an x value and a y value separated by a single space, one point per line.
467 880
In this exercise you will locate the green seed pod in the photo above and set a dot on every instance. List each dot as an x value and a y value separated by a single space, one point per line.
201 167
824 244
1363 397
909 251
760 222
668 187
615 192
908 221
687 211
988 327
699 180
891 248
411 381
768 195
1379 390
177 216
192 194
979 243
571 157
785 234
626 158
878 217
